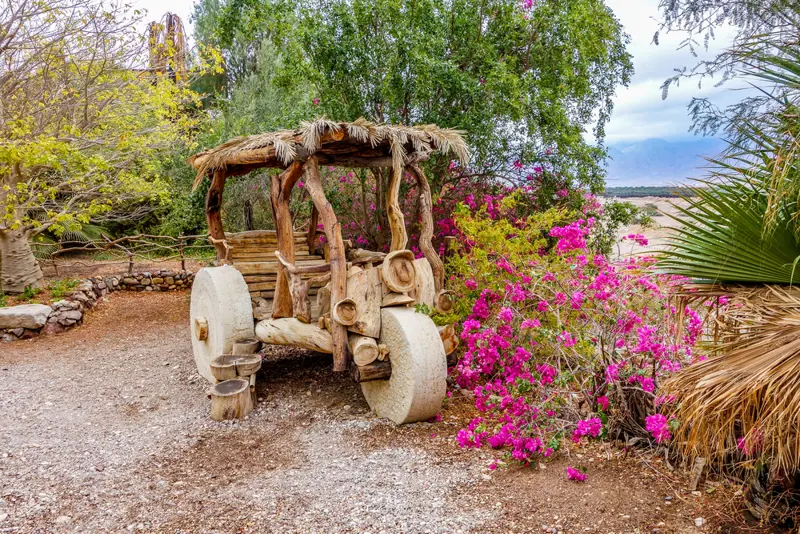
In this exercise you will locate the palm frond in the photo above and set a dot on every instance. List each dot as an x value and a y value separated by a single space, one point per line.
744 401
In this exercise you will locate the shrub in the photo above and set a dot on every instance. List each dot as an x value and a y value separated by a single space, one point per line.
558 340
62 288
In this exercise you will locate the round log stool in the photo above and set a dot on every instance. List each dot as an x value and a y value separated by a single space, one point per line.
230 399
230 366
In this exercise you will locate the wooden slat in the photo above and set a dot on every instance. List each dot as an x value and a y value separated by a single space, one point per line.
269 256
263 267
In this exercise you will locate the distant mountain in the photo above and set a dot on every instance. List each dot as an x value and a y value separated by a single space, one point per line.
655 162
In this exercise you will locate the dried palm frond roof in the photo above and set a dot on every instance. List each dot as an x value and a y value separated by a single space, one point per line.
744 400
360 143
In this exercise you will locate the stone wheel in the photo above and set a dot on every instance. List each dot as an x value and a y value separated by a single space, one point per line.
418 384
220 314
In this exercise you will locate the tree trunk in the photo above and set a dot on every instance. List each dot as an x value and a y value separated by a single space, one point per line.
19 267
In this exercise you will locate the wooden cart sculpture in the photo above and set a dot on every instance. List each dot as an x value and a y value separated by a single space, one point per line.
364 313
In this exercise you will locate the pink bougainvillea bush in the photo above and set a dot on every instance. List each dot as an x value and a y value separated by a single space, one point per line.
559 342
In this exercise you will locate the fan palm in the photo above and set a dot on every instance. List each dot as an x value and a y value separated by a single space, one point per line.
742 224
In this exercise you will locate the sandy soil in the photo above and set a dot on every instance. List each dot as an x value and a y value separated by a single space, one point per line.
105 428
658 232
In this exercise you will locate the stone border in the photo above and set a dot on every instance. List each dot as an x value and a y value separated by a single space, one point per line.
30 320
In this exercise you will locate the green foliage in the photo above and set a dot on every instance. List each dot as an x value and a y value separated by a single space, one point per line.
62 288
3 300
524 84
29 293
636 192
616 215
744 225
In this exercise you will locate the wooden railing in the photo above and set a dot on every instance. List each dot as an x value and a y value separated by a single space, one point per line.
125 250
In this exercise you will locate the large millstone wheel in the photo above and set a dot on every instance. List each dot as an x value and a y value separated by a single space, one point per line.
418 383
220 314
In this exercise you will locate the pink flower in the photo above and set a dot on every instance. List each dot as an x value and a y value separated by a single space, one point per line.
316 101
471 284
658 426
576 474
602 401
506 315
301 184
592 427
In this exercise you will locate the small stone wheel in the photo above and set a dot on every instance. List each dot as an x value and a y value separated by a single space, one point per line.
220 314
230 366
417 386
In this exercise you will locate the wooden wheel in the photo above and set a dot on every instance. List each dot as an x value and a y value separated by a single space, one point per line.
220 314
415 390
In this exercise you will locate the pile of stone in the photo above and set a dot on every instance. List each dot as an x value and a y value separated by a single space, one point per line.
30 320
157 281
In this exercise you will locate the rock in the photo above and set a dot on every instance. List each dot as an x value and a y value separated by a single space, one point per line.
53 328
169 280
158 281
33 316
63 519
146 281
7 338
129 281
71 314
148 288
699 522
18 331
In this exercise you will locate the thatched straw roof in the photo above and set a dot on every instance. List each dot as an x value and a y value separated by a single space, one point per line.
352 144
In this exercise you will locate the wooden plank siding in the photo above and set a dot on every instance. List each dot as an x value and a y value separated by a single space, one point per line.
253 254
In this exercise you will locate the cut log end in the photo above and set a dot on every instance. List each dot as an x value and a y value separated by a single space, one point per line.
399 272
377 370
201 328
364 349
396 299
445 301
345 312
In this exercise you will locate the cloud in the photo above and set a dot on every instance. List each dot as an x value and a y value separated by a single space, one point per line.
639 111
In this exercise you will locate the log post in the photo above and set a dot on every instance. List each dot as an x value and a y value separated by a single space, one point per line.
366 290
445 301
426 233
333 233
214 215
311 237
397 223
231 399
280 195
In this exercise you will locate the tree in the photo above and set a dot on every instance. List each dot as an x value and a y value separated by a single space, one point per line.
81 127
525 82
772 22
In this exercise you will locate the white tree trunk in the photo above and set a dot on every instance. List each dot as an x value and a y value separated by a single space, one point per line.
19 267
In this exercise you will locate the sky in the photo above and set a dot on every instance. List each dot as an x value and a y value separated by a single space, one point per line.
639 111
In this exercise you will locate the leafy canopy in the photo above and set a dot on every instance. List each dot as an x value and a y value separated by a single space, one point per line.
525 83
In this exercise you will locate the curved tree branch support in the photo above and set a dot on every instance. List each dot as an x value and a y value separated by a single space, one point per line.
333 233
397 223
426 234
214 216
280 196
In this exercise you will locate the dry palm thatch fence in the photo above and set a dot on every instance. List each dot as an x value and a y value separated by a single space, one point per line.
741 406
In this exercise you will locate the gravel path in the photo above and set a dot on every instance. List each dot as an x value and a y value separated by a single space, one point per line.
105 429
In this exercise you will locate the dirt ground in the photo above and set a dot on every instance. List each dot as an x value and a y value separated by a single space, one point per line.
105 428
